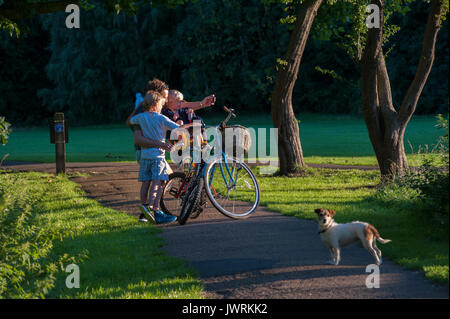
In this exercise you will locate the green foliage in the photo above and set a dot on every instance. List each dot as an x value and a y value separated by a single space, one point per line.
408 42
235 56
25 270
5 130
342 24
442 123
95 69
22 74
230 48
9 26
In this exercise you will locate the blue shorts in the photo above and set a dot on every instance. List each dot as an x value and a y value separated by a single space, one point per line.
153 169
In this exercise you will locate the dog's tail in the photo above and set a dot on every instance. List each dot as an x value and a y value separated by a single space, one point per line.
377 235
383 241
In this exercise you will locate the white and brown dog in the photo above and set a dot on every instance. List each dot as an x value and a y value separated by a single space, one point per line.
335 236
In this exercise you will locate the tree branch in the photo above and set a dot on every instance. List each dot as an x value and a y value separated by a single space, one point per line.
369 67
287 75
383 84
425 62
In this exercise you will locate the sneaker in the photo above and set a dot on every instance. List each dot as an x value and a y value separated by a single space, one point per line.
162 218
147 212
142 218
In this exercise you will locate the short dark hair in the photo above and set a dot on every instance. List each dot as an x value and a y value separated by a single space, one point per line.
156 85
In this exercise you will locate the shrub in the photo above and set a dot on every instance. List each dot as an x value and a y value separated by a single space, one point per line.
5 130
26 271
425 188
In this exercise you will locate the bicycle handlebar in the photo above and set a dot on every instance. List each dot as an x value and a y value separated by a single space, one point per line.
230 114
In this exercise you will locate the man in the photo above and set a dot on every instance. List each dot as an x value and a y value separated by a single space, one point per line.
182 112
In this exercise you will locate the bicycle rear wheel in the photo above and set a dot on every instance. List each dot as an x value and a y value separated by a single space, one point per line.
232 187
173 193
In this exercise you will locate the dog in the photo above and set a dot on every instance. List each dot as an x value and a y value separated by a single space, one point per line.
335 236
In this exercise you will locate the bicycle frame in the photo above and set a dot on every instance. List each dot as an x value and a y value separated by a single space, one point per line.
231 182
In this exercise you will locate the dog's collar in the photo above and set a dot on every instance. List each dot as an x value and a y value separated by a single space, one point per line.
323 230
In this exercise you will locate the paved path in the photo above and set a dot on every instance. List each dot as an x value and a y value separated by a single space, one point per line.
265 256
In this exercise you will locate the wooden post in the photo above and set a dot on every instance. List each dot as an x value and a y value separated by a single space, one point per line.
60 140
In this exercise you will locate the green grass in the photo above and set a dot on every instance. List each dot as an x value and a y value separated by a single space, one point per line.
118 257
415 242
325 139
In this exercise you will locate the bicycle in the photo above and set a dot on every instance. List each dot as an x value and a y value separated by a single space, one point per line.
228 182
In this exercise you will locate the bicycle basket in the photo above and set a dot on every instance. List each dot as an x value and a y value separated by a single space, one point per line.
236 140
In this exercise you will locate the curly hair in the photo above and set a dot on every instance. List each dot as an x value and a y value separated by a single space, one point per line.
156 85
151 99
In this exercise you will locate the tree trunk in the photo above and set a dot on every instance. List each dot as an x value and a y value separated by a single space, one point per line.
289 147
385 125
392 151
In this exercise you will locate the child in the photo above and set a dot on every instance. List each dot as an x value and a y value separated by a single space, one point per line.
139 139
153 166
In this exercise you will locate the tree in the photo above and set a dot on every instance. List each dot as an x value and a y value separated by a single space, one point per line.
289 146
12 11
98 68
386 125
228 47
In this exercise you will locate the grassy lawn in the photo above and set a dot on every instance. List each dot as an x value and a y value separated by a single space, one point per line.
416 243
325 139
117 257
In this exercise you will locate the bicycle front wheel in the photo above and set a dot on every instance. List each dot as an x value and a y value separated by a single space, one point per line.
232 187
191 200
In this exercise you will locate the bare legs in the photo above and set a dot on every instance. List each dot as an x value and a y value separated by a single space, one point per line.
144 192
151 192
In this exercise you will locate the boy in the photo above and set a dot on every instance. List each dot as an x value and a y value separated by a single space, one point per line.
153 166
139 139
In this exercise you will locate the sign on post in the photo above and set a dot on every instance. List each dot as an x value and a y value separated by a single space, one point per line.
59 137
